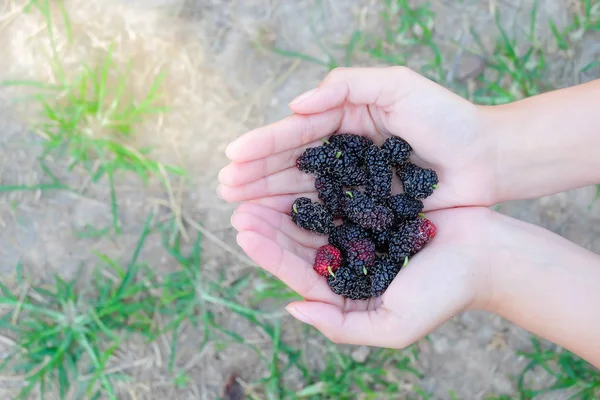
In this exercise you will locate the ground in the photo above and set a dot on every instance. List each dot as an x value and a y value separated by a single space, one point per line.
262 49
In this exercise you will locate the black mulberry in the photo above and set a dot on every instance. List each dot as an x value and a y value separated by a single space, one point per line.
360 255
351 285
322 160
379 185
343 235
396 150
405 207
383 273
381 240
418 182
354 145
362 210
411 238
330 190
311 216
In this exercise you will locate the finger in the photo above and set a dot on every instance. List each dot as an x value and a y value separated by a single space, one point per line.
289 133
283 222
283 203
237 174
377 327
289 268
287 181
246 222
360 86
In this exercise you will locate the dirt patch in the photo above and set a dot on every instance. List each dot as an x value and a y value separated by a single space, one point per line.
237 84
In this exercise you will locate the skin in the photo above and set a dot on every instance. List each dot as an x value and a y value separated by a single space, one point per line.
479 259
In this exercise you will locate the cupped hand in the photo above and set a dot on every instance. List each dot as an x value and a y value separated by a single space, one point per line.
447 133
446 277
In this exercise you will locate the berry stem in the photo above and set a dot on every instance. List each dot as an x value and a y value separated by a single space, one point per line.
405 261
295 208
325 141
350 194
338 155
421 215
435 186
330 271
364 270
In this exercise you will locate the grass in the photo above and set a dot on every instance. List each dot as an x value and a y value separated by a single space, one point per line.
568 371
586 18
407 27
514 69
374 378
511 73
67 335
66 338
89 118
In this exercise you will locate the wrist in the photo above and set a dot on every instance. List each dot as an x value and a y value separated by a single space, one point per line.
545 284
544 144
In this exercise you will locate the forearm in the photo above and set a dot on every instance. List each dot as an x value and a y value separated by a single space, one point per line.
546 144
547 285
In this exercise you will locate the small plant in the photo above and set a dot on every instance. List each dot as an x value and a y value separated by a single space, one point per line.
406 27
586 17
181 380
568 371
65 339
376 377
186 296
328 60
511 74
90 117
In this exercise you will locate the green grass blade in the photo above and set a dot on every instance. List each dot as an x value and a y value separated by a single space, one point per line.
95 358
560 39
301 56
144 106
174 339
532 21
102 83
507 43
275 377
113 204
67 22
142 240
590 66
99 373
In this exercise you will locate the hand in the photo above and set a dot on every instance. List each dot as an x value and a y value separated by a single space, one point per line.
478 259
446 132
448 276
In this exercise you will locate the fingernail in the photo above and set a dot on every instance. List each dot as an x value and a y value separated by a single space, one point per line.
303 97
298 315
220 191
230 147
226 177
221 174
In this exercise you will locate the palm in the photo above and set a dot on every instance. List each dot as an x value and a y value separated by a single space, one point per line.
435 285
448 140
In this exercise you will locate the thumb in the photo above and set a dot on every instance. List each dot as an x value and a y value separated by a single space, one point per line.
372 328
360 86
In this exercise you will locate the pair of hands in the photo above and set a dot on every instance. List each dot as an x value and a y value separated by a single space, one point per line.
449 134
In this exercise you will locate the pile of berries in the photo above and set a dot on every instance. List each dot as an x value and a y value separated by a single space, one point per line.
379 230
